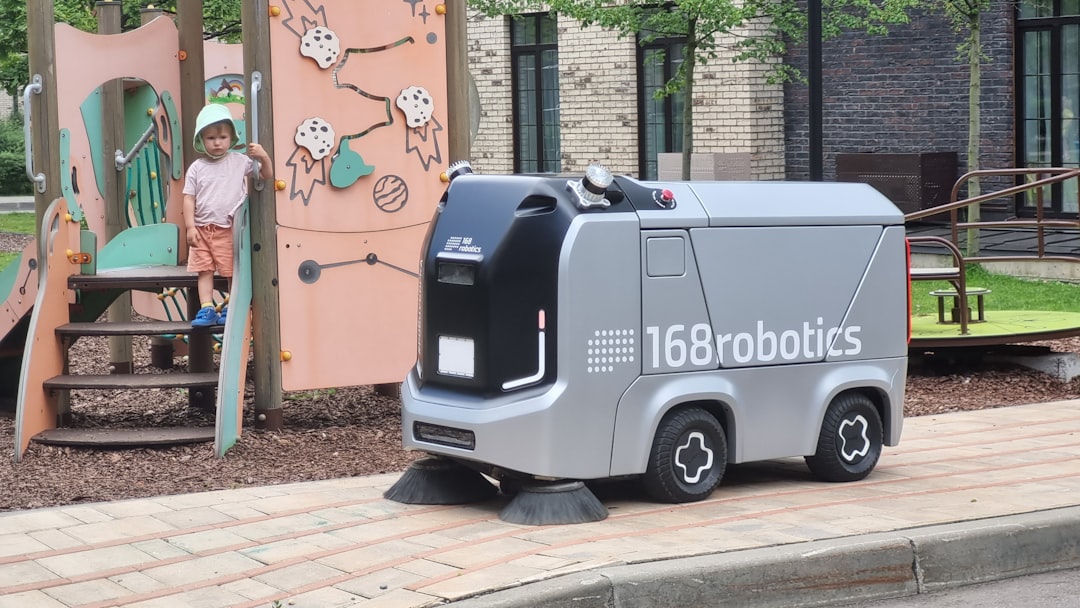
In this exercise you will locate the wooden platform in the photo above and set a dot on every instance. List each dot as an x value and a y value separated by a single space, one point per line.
142 278
133 328
124 438
105 381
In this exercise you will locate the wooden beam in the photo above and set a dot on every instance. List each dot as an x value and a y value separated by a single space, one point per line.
114 184
162 350
192 99
266 317
457 81
45 133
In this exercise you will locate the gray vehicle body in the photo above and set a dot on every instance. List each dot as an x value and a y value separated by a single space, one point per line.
759 301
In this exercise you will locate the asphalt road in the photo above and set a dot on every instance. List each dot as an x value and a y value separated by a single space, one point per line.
1059 589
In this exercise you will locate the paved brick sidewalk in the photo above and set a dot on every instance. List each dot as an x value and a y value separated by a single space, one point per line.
339 543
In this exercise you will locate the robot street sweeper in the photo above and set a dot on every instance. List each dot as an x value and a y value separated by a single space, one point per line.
603 327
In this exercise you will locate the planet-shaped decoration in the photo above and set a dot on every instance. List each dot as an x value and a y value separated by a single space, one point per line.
390 193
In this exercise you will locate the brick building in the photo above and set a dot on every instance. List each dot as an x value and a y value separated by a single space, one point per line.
592 110
555 96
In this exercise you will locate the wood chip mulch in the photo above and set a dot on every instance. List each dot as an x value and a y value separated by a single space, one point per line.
355 431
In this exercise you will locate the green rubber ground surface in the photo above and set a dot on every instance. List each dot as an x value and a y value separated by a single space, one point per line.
1010 325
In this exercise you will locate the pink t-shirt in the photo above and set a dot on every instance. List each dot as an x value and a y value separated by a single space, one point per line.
219 187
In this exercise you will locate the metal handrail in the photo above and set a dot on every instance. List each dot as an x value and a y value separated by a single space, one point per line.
35 88
1039 223
958 279
122 160
1061 174
253 128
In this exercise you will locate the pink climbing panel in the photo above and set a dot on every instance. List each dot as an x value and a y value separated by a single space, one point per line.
43 358
359 115
149 53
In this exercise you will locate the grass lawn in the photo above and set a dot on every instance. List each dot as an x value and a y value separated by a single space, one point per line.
1007 293
22 223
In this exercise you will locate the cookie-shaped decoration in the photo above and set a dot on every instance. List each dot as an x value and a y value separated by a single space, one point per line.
417 105
320 44
317 136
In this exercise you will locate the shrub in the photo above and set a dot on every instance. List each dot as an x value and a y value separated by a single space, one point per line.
13 158
11 134
13 174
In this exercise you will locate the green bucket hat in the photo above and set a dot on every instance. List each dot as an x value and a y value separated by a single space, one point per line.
209 115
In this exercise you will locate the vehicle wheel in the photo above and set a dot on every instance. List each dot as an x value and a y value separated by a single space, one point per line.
850 441
688 457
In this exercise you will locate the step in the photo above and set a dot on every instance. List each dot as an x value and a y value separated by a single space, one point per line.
134 328
106 381
125 437
142 278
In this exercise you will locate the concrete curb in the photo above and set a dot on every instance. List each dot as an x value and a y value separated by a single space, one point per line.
820 573
10 204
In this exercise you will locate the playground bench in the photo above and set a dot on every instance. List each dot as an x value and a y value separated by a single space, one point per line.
954 317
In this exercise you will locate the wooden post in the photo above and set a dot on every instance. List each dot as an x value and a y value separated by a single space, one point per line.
43 111
266 317
192 99
457 81
162 351
114 185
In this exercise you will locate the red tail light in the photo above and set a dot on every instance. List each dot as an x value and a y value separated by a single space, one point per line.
907 246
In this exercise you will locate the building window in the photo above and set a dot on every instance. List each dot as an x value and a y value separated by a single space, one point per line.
534 53
660 121
1048 100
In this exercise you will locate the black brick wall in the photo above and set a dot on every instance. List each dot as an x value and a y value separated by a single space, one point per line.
906 92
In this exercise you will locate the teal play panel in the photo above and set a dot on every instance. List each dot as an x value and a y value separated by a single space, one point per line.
234 349
153 245
9 275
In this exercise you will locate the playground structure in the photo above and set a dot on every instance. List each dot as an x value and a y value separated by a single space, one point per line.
358 130
1000 326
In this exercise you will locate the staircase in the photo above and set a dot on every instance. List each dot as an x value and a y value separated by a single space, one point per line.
201 381
74 292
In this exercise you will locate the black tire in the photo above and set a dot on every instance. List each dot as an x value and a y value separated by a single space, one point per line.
688 457
850 442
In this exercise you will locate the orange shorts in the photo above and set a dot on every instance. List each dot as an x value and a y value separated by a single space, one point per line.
214 251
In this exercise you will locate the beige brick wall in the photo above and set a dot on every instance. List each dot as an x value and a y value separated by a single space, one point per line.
7 105
597 88
735 109
489 64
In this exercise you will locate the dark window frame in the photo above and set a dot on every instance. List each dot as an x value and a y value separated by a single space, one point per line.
545 161
672 138
1053 23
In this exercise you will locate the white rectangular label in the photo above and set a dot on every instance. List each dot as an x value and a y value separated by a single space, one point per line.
456 356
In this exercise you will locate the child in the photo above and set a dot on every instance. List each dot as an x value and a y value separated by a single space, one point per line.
214 188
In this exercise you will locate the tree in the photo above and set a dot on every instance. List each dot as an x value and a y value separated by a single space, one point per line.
964 16
706 24
221 19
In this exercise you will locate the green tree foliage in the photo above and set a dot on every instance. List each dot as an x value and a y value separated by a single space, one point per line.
757 29
221 19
